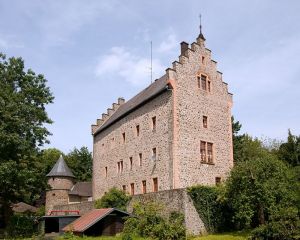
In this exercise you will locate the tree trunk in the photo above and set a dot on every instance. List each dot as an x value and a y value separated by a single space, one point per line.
261 215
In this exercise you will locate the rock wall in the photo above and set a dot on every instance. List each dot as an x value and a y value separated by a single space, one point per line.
83 207
175 200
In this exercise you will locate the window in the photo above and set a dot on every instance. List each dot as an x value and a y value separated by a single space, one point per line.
137 130
106 172
209 152
208 86
141 158
206 152
120 166
130 163
204 120
153 154
218 180
155 185
203 151
153 124
124 137
203 59
132 188
203 82
124 188
199 82
144 189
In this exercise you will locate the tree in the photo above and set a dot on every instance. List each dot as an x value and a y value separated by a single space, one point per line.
259 188
237 139
81 163
23 98
290 150
114 198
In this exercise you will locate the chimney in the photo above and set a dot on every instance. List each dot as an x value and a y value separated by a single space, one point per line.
184 47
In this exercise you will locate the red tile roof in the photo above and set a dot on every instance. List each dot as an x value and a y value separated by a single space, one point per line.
87 220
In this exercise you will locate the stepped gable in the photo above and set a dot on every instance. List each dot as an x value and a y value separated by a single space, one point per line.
141 98
60 169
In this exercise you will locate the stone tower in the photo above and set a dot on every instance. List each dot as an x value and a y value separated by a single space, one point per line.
61 180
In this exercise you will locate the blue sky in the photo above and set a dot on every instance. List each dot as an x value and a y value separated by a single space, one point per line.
92 52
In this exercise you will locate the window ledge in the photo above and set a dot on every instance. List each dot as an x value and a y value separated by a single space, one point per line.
208 163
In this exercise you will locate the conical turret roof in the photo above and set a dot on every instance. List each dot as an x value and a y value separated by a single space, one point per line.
60 169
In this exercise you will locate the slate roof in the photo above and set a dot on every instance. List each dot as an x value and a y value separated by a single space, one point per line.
83 189
22 207
60 169
138 100
89 219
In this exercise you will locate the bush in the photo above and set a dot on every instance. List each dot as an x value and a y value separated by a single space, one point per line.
22 225
148 222
284 226
114 198
210 208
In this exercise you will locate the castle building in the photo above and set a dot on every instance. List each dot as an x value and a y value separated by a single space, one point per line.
63 187
174 134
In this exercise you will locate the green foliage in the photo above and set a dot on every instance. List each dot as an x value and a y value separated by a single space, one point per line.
22 225
210 208
284 225
259 187
23 99
81 163
148 221
290 150
114 198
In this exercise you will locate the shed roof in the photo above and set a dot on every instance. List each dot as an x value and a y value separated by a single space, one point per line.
83 189
89 219
60 169
145 95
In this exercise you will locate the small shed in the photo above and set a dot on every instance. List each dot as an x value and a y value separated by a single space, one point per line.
99 222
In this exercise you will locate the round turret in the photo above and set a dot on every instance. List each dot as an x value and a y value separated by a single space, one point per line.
61 180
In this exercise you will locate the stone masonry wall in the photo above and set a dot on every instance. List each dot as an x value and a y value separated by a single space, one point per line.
58 194
83 207
191 104
175 200
109 149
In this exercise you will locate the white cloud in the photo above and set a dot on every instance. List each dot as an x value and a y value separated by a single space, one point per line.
132 68
169 44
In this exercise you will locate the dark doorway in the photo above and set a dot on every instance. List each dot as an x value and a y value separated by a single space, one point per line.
51 225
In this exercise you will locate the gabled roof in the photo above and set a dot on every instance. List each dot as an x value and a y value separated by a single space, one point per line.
89 219
22 207
60 169
83 189
141 98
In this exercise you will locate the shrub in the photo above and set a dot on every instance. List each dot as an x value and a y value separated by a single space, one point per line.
148 222
22 225
114 198
210 208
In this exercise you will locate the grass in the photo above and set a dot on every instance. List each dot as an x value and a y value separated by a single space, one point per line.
225 236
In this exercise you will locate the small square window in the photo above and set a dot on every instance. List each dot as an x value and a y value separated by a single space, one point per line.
144 186
204 121
154 157
124 188
218 180
132 188
141 158
124 137
130 163
155 185
153 123
137 130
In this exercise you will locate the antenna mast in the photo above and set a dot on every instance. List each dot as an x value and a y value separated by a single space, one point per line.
151 61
